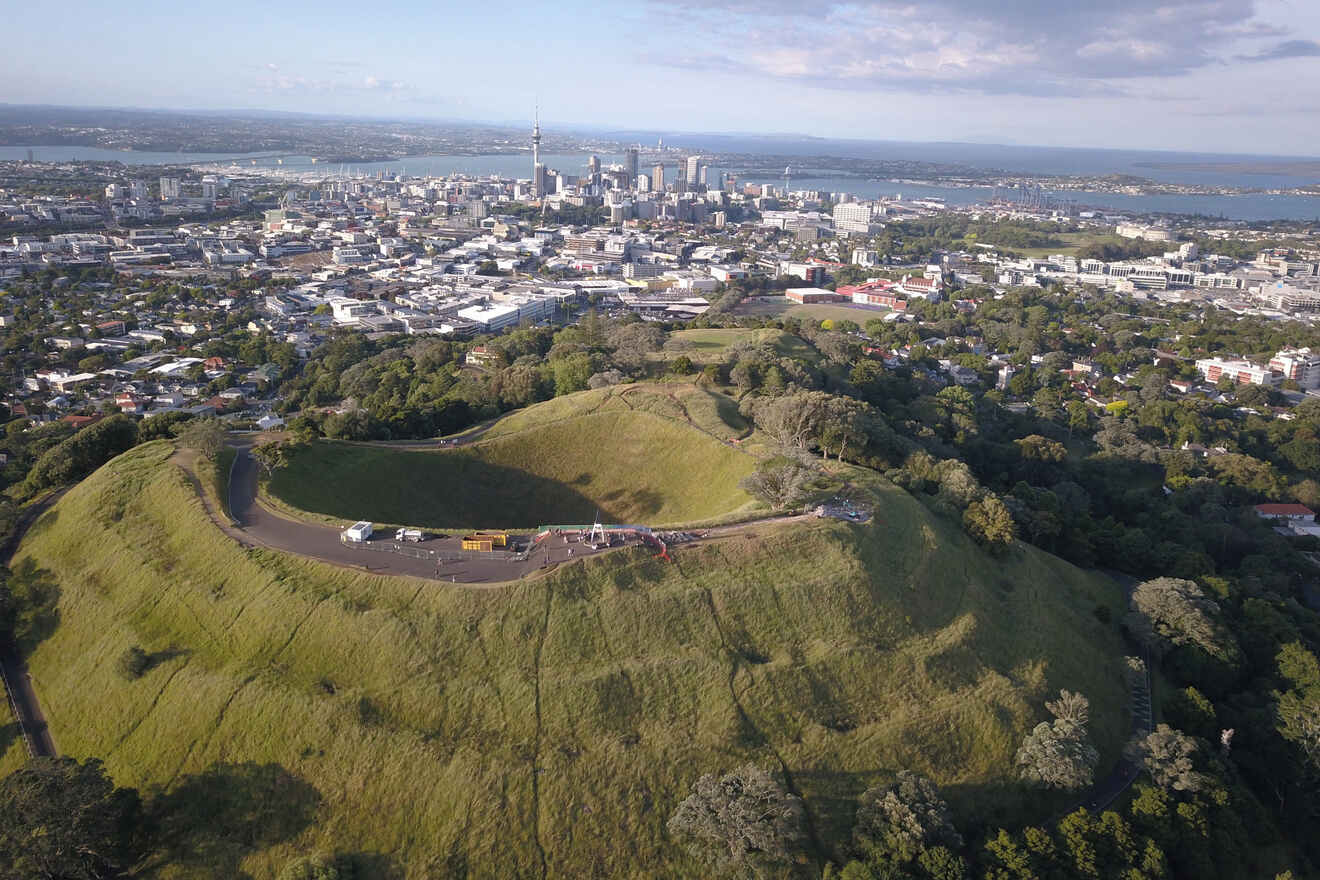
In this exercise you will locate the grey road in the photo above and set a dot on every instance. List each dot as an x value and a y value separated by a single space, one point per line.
257 524
22 695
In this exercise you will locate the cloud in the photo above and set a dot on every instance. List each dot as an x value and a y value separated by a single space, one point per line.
1286 49
272 81
377 84
991 47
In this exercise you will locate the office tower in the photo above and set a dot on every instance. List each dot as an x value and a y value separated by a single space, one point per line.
693 166
701 174
169 188
658 178
593 164
538 180
137 189
630 164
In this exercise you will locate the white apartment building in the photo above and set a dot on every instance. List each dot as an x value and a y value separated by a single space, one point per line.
494 317
1300 365
853 217
1240 371
1290 298
1217 281
1142 231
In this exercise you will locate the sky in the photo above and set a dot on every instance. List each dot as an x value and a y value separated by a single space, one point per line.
1199 75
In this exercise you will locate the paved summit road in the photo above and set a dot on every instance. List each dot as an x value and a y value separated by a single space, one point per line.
258 524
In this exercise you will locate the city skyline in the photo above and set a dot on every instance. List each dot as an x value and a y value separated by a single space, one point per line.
1194 75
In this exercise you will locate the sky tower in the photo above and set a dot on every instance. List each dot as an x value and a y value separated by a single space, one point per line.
536 139
538 170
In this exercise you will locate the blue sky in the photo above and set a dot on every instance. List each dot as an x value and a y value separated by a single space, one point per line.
1207 75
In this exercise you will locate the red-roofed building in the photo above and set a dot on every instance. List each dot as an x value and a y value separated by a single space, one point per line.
879 292
81 422
924 287
1290 512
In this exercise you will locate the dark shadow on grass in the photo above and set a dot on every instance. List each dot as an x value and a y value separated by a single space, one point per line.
156 658
38 597
214 819
832 796
33 524
440 490
380 866
9 733
727 409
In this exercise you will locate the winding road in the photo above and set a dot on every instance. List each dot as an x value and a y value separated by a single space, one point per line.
18 683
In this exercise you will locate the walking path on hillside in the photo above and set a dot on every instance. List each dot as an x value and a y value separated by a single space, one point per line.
1105 791
17 682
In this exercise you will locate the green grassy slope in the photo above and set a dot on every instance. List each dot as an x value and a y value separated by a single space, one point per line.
473 730
13 754
631 465
709 345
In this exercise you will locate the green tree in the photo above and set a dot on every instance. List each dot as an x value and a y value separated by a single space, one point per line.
572 373
1169 612
990 523
207 436
1166 754
741 822
319 867
1059 754
903 817
1298 708
781 481
64 820
133 663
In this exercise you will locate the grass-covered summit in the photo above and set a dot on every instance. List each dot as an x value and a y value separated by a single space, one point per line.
549 727
634 454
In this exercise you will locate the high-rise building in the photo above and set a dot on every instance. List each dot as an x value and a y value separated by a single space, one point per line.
538 170
701 174
630 164
643 183
658 178
169 188
593 164
137 189
693 171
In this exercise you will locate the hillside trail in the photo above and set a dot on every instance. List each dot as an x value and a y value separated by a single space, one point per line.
1105 791
23 699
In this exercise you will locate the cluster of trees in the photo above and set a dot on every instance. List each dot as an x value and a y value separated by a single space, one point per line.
401 388
1059 754
1225 602
78 455
1190 816
64 819
916 240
